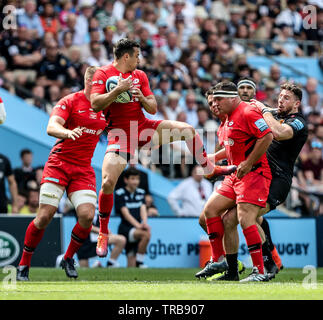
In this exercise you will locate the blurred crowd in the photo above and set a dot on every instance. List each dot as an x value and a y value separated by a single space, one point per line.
186 46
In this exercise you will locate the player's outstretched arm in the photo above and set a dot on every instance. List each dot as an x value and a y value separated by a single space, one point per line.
55 128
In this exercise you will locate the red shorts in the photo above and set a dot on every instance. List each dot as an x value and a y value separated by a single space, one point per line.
70 176
252 188
126 141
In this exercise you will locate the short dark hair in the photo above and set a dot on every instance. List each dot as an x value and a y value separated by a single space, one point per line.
124 46
225 86
293 88
209 92
131 172
24 151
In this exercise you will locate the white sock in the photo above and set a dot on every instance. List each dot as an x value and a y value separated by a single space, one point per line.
113 261
140 257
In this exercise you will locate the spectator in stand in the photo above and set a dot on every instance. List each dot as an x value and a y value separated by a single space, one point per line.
67 39
172 50
275 75
6 172
82 24
49 20
191 109
54 94
105 15
313 104
55 69
312 170
38 99
290 16
31 19
24 55
67 8
192 193
26 172
271 97
173 109
285 44
96 58
220 10
310 87
107 42
32 205
160 38
146 45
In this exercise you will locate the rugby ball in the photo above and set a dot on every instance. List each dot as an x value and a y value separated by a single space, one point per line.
123 97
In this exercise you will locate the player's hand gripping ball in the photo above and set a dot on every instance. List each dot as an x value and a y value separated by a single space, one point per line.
123 97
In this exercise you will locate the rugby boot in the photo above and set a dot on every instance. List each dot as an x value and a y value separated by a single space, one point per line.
69 267
255 276
102 245
227 276
22 273
220 171
241 269
212 268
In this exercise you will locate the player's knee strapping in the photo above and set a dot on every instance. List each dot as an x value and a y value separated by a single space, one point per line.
50 194
82 197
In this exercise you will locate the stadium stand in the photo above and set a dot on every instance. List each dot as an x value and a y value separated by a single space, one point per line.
45 47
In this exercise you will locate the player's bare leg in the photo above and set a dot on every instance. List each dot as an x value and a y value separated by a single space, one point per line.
113 165
119 242
169 131
144 237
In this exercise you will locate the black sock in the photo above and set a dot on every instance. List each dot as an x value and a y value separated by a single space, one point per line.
266 253
265 227
232 260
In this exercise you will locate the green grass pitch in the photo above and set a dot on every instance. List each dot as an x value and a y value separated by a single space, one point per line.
156 284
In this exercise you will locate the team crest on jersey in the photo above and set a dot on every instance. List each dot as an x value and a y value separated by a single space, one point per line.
229 142
230 123
135 81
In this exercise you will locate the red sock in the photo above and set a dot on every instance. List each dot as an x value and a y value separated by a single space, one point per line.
253 240
105 208
79 235
215 231
196 147
32 238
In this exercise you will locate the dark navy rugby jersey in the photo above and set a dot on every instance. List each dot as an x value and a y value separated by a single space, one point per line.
132 201
283 154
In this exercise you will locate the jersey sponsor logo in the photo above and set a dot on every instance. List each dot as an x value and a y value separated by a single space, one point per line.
261 125
297 124
52 179
229 142
133 205
60 106
261 200
81 111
